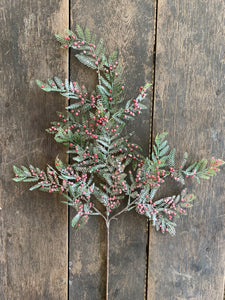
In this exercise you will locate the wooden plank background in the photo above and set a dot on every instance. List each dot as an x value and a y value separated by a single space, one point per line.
33 226
37 245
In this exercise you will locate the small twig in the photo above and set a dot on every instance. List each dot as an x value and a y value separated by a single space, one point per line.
99 76
123 210
98 211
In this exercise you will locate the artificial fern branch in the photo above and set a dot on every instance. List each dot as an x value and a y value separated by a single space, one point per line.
106 167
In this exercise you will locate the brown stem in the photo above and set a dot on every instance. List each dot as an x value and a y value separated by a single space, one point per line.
107 260
107 223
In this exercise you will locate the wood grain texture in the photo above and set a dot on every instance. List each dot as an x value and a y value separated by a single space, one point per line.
126 26
33 226
189 104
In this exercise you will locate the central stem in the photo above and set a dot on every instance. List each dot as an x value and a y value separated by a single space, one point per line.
107 260
107 223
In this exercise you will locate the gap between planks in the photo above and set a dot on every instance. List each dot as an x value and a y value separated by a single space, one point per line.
151 143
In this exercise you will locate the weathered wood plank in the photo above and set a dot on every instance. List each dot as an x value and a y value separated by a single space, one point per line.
129 28
189 104
33 226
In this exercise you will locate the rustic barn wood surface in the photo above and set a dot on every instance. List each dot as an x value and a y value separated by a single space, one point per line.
179 46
